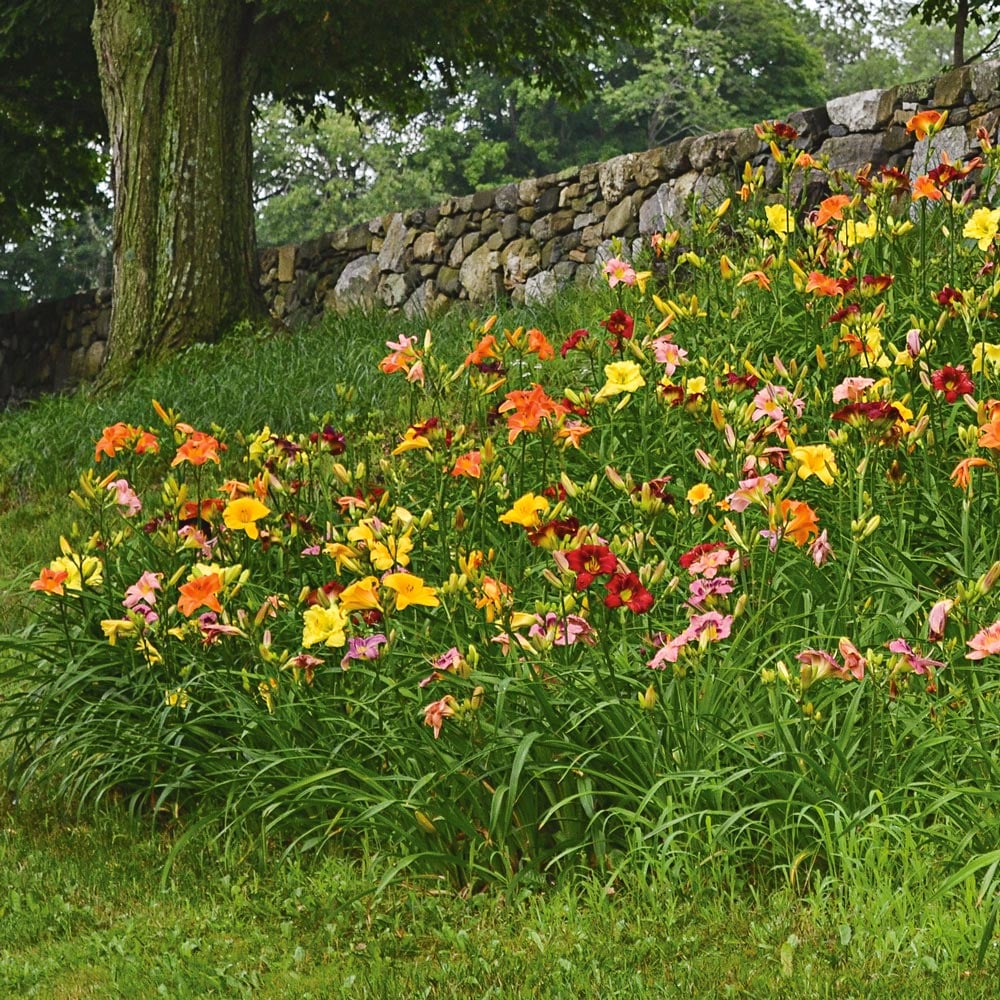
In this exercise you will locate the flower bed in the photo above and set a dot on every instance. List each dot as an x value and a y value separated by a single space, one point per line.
715 572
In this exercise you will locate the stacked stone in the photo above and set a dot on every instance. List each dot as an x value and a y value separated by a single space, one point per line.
524 241
47 347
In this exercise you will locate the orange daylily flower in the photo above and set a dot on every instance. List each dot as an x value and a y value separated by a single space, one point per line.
799 520
200 593
404 356
198 449
989 434
113 439
526 408
539 344
50 581
494 595
470 464
924 187
832 208
961 475
762 280
486 348
926 123
571 432
209 508
823 284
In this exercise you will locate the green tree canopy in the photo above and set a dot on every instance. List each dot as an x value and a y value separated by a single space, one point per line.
177 83
50 112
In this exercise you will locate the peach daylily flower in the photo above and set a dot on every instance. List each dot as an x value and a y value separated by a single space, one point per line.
437 711
984 643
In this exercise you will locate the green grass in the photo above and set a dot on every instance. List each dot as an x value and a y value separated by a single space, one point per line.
82 914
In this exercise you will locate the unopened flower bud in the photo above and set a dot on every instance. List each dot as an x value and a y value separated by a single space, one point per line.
424 822
988 580
647 698
614 478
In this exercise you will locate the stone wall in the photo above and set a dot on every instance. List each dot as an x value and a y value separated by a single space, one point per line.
524 240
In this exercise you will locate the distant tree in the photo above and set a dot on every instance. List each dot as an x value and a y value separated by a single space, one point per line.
64 253
960 16
738 62
51 121
327 172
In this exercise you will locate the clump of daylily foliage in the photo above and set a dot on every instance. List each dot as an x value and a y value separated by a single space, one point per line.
714 572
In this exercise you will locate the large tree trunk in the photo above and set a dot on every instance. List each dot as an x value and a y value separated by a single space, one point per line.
176 85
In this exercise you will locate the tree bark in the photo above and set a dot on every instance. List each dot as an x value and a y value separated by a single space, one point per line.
176 86
961 22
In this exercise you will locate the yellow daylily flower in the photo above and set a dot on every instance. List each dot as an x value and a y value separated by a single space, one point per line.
525 511
362 595
815 460
622 376
324 625
410 589
243 514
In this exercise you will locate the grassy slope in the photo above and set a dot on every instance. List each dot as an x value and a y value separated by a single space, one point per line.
82 913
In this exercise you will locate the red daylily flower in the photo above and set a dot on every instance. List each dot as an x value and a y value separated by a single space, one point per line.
626 590
954 382
573 341
856 414
589 562
547 535
621 326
